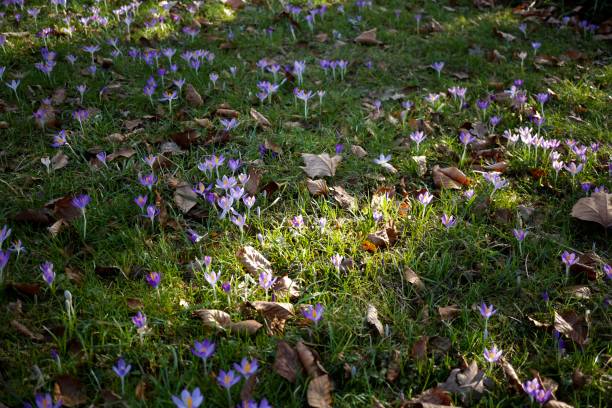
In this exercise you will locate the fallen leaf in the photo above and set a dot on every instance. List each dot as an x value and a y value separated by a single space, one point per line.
368 38
20 288
261 120
286 286
421 162
343 198
431 398
59 161
57 227
216 319
248 388
125 152
249 327
319 392
578 291
273 147
557 404
320 165
384 238
419 349
309 360
74 274
511 375
394 367
69 390
134 304
186 138
413 278
274 310
235 4
317 187
468 382
24 331
184 197
439 345
253 261
373 321
358 151
141 390
506 36
573 326
192 96
226 112
63 208
596 208
579 379
286 363
39 216
59 96
107 272
252 184
449 312
449 177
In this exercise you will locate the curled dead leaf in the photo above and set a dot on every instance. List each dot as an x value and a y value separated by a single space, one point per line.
419 349
394 367
261 120
511 375
342 197
253 261
573 326
596 208
192 96
449 312
368 38
384 238
309 360
216 319
358 151
320 165
184 197
468 382
319 392
373 321
286 363
248 327
449 177
274 310
413 279
317 187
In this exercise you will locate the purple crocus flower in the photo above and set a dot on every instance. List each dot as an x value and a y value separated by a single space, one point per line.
492 355
152 212
519 234
48 273
336 260
246 368
608 271
139 320
466 137
438 66
227 379
121 368
203 349
425 198
448 221
45 401
266 280
4 258
313 313
5 232
569 258
542 396
148 181
212 278
486 311
188 399
417 137
153 279
141 201
81 201
234 165
193 236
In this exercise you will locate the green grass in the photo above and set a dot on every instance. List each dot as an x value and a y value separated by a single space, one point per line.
475 261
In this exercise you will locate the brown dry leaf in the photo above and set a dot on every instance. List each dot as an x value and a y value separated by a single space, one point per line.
74 274
596 208
286 363
346 201
286 286
469 382
192 96
309 360
384 238
579 379
184 197
319 392
253 261
373 321
134 304
394 367
449 312
24 331
421 162
449 177
578 291
261 120
141 390
320 165
57 227
368 38
511 375
431 398
226 112
252 184
132 124
249 327
439 345
273 147
317 187
573 326
39 216
506 36
413 279
358 151
59 96
216 319
70 390
235 4
557 404
186 138
63 208
419 349
20 288
248 389
59 161
274 310
125 152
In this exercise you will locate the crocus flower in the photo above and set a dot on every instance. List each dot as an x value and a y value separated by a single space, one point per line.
212 278
382 159
141 201
81 201
5 232
266 280
139 320
122 369
336 260
569 259
438 66
417 137
448 221
313 313
188 399
486 311
519 234
542 396
203 349
4 258
153 279
227 379
193 236
297 222
531 387
608 271
246 368
45 401
493 354
148 181
425 198
47 273
152 212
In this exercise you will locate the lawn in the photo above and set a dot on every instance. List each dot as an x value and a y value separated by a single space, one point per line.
350 204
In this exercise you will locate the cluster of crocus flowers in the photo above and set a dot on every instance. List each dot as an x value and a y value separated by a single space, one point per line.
536 391
227 379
